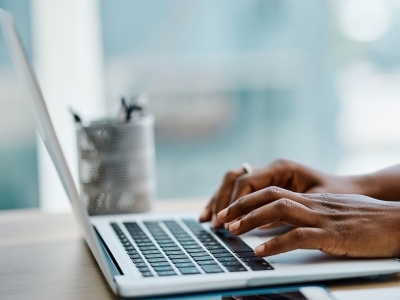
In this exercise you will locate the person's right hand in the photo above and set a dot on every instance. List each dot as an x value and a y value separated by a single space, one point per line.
282 173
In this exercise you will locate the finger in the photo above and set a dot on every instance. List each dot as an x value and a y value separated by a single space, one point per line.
248 203
276 174
282 210
223 195
245 185
299 238
272 226
206 214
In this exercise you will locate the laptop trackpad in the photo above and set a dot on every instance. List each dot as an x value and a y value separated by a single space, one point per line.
292 258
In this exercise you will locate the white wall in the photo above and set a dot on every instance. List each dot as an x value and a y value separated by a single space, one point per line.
68 56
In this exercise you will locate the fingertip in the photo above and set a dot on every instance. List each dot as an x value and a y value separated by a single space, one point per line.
222 214
234 227
205 215
260 250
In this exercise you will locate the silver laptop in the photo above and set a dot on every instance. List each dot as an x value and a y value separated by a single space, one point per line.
158 254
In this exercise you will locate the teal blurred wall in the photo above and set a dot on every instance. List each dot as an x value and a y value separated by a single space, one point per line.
18 161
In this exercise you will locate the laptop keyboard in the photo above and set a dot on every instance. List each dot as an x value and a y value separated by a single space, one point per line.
172 250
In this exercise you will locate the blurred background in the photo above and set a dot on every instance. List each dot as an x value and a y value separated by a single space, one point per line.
313 81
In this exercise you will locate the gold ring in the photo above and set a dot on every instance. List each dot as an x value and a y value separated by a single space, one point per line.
247 168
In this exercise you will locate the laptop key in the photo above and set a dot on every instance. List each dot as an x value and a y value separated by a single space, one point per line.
163 268
186 239
199 258
166 273
151 260
178 256
147 248
231 263
198 254
137 261
248 259
261 268
174 252
210 243
223 255
222 259
189 271
233 242
144 269
259 265
195 250
206 262
184 265
144 244
141 265
150 251
215 247
160 264
147 274
161 238
192 246
187 243
212 269
179 261
149 256
144 240
135 256
171 249
167 245
236 269
215 251
246 254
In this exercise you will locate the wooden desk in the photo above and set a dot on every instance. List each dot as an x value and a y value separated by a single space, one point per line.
43 256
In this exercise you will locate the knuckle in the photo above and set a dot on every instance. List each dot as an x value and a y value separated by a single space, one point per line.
230 176
280 162
272 191
240 203
283 205
249 218
241 182
326 196
300 234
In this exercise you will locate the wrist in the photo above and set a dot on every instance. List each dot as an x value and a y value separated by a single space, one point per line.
365 185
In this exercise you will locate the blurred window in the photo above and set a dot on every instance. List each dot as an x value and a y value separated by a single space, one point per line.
18 162
229 81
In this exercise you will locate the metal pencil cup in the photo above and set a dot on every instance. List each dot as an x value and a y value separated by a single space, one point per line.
117 165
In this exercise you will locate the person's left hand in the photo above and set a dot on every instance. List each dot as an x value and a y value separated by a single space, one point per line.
342 225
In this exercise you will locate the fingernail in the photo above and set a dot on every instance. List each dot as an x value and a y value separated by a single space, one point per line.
259 250
235 226
222 214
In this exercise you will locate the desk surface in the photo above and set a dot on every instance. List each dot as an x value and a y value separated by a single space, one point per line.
43 256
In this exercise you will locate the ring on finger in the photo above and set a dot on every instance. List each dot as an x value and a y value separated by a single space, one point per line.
247 168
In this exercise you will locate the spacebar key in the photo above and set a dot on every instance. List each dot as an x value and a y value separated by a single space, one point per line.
233 242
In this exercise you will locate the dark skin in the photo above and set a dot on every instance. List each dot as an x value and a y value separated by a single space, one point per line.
335 214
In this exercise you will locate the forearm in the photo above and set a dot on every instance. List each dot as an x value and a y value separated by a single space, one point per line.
383 185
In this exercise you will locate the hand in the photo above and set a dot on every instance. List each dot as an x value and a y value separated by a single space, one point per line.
281 173
342 225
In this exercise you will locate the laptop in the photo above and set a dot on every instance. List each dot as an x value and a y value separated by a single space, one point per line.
152 254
